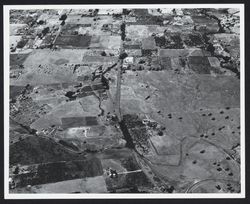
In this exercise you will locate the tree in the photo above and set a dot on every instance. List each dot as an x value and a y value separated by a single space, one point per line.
123 35
123 55
63 17
125 11
16 171
103 53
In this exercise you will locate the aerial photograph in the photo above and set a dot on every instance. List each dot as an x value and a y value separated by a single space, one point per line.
124 100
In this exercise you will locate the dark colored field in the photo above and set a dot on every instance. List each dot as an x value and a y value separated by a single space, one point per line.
17 59
169 41
77 41
84 94
86 88
198 60
70 29
200 69
16 91
194 40
22 43
17 128
38 150
173 41
98 86
61 171
83 78
199 64
91 121
126 46
140 12
69 145
78 121
166 63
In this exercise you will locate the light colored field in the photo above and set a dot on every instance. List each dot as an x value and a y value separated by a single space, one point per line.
14 40
137 31
196 99
166 145
77 19
196 166
215 186
109 11
47 56
113 164
105 41
14 28
74 108
87 185
99 60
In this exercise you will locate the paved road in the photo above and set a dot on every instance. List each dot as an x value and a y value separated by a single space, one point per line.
119 76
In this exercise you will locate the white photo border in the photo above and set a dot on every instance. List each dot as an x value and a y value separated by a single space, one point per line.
6 23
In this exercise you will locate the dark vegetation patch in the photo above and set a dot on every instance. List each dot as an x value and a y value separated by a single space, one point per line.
16 91
160 41
71 95
22 43
126 11
148 20
84 94
133 121
126 135
123 55
60 171
63 17
144 18
86 88
17 59
169 41
44 32
34 150
123 31
98 86
17 128
78 41
69 145
194 40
